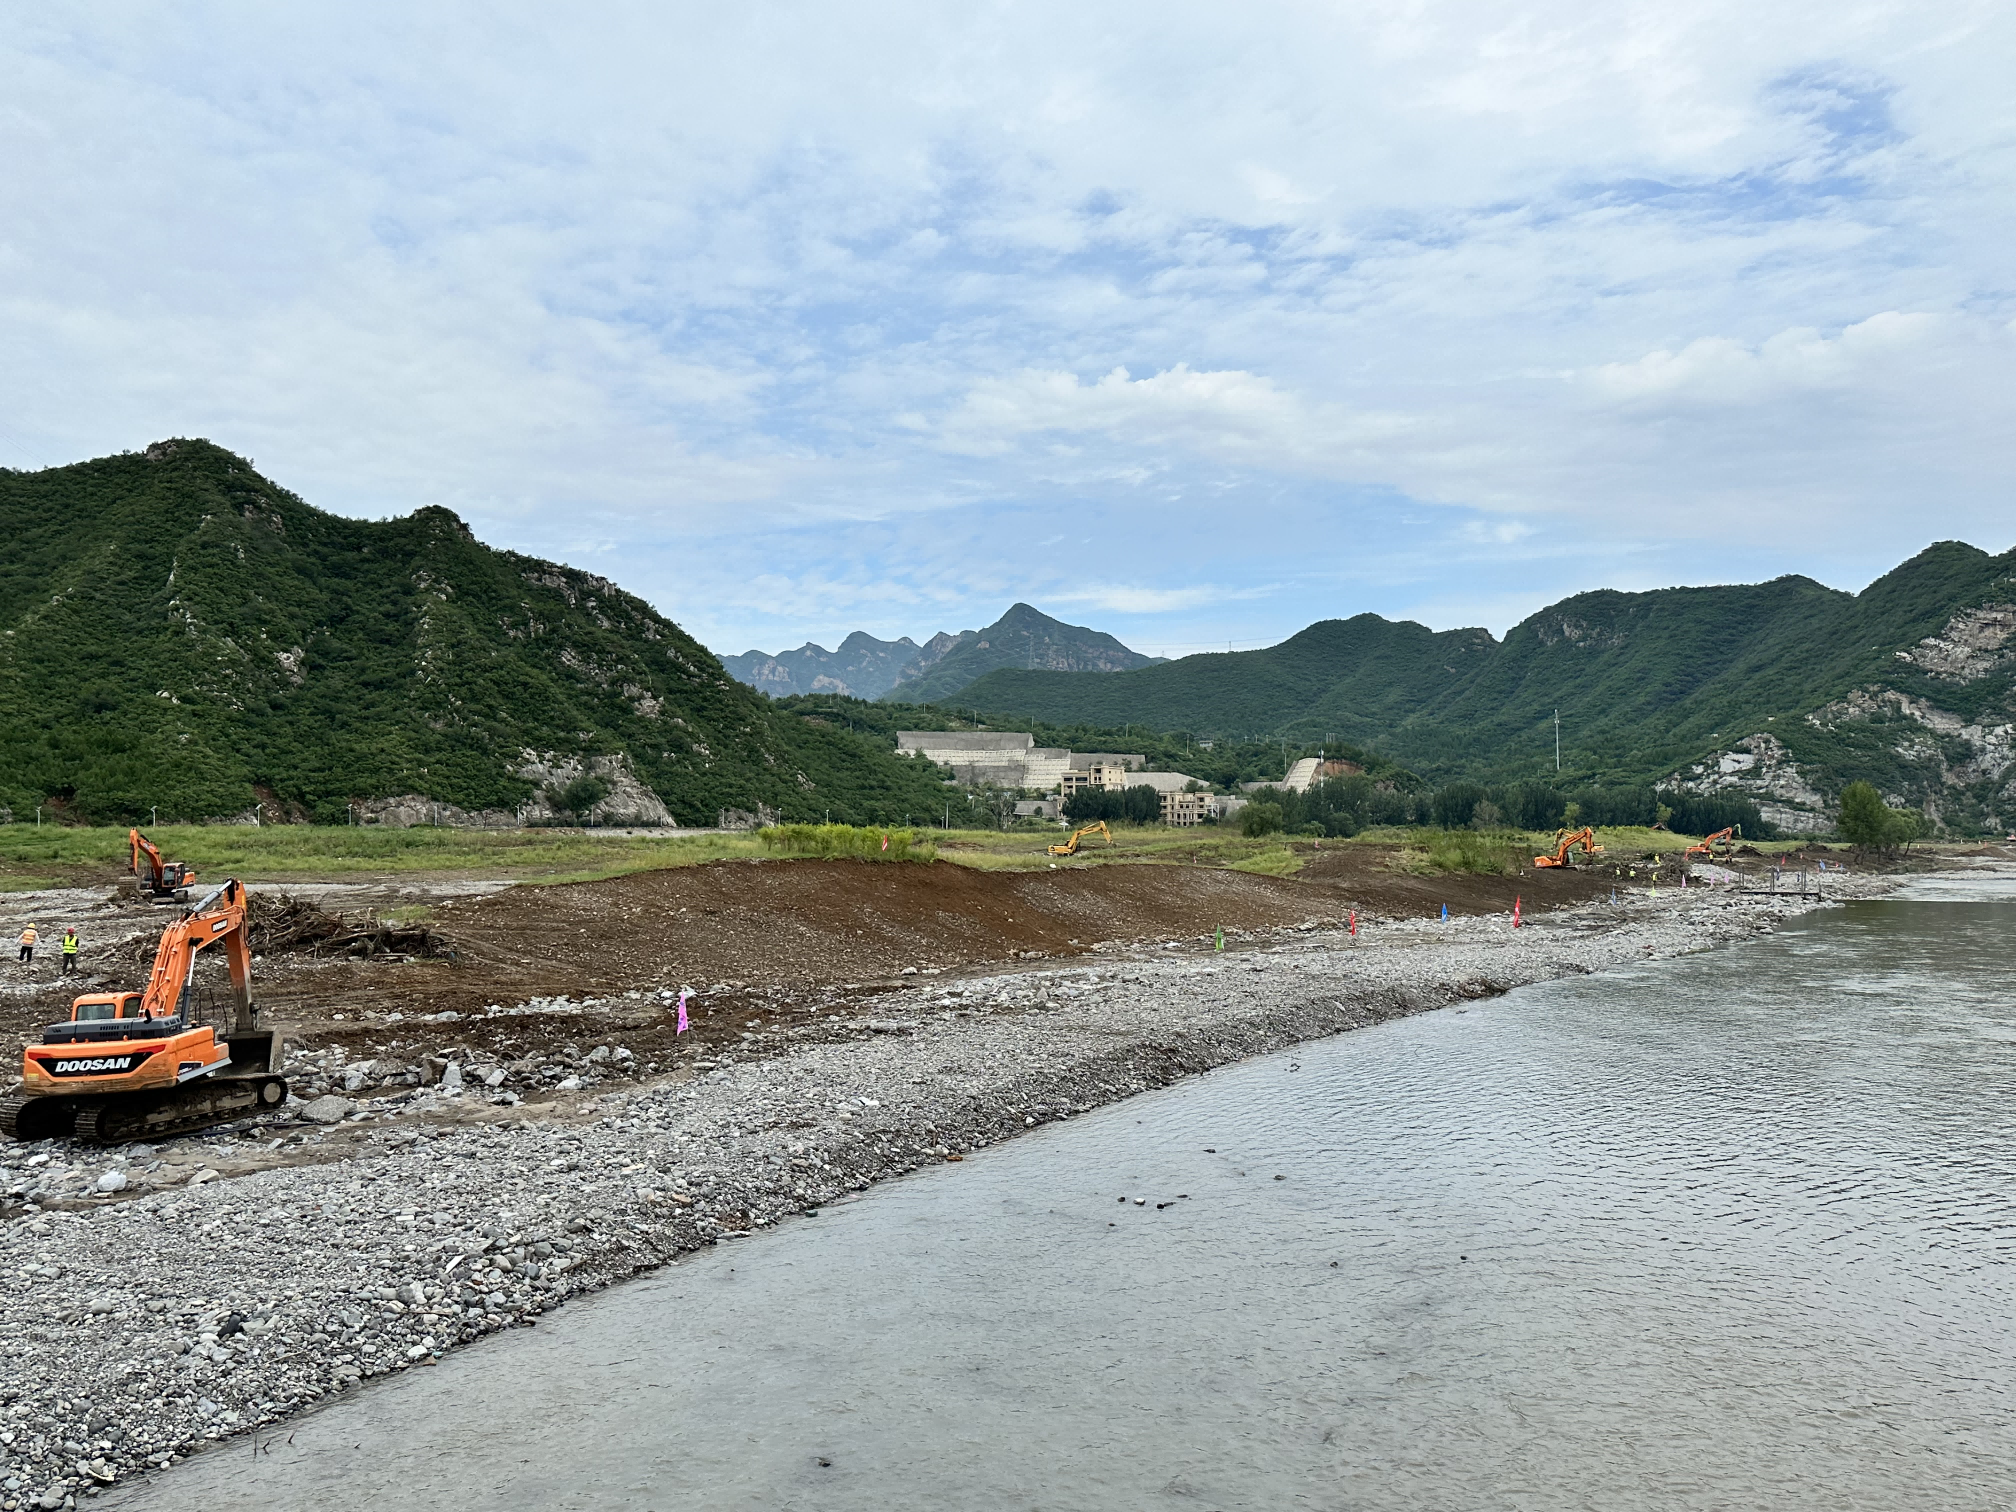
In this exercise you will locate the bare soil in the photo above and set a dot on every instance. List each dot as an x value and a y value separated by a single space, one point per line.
804 944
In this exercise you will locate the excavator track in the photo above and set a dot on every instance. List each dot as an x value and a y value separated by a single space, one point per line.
28 1118
198 1105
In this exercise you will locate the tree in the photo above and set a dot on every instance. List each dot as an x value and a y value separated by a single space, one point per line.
1870 824
1258 819
1864 821
578 796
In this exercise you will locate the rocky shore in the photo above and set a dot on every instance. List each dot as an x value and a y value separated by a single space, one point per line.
163 1299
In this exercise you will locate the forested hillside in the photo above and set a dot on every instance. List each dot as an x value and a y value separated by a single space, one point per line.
179 633
1786 690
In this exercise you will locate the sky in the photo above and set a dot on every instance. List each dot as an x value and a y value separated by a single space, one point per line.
1192 323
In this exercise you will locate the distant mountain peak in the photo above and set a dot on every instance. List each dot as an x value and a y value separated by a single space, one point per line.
865 667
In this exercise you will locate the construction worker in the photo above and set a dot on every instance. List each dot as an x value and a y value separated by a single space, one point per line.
69 948
28 938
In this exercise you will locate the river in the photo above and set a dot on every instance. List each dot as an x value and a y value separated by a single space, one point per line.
1733 1230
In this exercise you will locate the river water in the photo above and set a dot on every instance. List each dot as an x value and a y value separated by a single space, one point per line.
1728 1231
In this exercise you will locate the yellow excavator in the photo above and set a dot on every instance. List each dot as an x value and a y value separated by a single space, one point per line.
1566 841
140 1065
1070 847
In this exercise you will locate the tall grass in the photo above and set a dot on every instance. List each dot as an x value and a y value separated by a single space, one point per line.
1485 854
846 842
1278 862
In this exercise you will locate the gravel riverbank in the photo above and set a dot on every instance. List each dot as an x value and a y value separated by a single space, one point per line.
160 1300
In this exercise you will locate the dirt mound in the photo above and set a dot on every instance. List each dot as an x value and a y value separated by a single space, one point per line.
803 924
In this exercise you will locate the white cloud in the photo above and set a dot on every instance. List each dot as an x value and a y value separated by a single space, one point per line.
1719 370
843 318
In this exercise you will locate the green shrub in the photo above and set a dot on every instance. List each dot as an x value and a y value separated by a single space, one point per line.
1467 851
1866 821
1258 819
846 841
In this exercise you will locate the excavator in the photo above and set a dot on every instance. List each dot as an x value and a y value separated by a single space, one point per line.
156 880
140 1065
1070 847
1723 837
1565 841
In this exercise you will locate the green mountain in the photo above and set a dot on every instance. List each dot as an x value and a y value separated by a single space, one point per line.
179 633
1023 637
1782 691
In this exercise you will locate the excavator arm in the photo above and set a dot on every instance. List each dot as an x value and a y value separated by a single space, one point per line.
140 846
218 919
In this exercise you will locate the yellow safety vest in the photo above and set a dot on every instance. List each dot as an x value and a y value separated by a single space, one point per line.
69 944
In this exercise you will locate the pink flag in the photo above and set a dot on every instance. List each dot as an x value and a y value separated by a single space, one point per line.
684 993
1515 910
1354 923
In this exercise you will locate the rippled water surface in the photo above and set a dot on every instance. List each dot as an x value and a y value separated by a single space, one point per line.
1731 1231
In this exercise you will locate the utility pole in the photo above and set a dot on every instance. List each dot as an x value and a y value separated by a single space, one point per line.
1557 740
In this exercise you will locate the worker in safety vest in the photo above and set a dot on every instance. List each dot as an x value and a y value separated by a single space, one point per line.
69 948
28 938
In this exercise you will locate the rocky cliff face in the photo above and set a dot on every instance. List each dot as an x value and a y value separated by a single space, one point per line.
1938 733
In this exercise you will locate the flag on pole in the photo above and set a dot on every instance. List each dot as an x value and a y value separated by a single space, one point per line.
1221 938
684 993
1354 923
1515 910
1445 913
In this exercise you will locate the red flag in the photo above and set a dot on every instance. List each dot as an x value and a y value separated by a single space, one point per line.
1354 923
1515 910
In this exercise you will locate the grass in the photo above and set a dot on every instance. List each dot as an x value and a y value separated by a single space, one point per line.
298 851
73 856
1278 862
1495 854
852 842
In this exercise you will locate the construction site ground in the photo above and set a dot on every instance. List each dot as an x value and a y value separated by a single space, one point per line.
766 946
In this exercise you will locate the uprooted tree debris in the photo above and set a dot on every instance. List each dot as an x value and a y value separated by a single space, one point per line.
282 924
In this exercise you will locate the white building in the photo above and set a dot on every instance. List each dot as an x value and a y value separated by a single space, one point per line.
1011 759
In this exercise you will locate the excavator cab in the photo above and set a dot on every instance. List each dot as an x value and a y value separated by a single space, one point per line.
104 1006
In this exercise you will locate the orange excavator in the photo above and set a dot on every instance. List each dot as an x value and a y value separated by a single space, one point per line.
1723 837
156 880
1565 841
139 1065
1070 847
